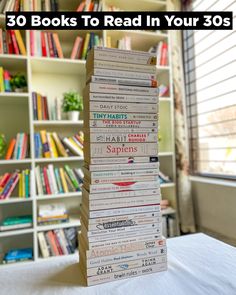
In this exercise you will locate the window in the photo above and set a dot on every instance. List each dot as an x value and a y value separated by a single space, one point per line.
210 78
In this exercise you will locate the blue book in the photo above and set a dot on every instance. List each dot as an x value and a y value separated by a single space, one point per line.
18 254
36 147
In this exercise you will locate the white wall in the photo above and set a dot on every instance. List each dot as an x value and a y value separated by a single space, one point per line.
215 210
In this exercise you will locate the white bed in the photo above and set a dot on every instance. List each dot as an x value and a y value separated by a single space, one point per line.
197 265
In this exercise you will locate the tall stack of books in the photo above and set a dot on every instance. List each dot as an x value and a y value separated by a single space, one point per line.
120 215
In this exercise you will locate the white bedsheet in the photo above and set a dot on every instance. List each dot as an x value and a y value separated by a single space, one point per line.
197 265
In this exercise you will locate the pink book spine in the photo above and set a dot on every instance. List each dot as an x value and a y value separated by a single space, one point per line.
32 32
75 48
12 187
24 147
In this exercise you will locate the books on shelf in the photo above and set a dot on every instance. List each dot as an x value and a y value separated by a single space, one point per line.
7 79
16 222
83 44
163 90
45 44
18 147
58 242
121 212
18 255
54 180
11 42
50 145
52 214
161 51
10 181
28 5
90 6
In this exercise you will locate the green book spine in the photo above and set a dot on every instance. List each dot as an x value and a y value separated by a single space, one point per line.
17 220
72 177
58 180
27 183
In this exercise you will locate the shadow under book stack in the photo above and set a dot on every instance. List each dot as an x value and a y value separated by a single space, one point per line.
120 215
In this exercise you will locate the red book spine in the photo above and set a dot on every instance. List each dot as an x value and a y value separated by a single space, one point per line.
45 108
24 147
14 42
52 243
9 42
46 181
4 180
164 49
17 6
43 42
58 244
79 139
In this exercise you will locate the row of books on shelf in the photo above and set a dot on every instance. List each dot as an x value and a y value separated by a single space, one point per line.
50 145
9 181
16 222
58 242
161 51
50 180
18 147
11 42
45 5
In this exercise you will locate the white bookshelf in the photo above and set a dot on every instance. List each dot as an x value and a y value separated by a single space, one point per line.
53 77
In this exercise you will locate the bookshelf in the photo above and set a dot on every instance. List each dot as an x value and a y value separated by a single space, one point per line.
45 75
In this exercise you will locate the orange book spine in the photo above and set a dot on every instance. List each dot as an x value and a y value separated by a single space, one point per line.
52 242
10 149
20 42
39 107
58 45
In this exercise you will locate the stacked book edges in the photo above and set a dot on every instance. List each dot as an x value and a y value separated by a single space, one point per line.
121 223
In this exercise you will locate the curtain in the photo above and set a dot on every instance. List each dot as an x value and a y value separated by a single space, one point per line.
184 195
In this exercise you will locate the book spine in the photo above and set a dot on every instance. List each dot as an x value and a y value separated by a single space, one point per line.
121 89
73 148
127 179
104 251
122 150
154 227
10 149
46 150
53 179
72 177
59 145
58 180
122 211
100 115
20 42
123 160
34 99
122 108
43 44
122 74
43 245
114 203
75 49
50 45
45 177
123 81
95 280
58 45
85 47
134 57
122 98
63 180
101 65
14 42
110 167
121 124
119 130
99 261
10 186
52 242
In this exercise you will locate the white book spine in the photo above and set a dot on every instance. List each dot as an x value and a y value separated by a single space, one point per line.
38 180
100 115
106 97
121 124
117 203
95 280
71 147
15 226
126 256
124 160
111 65
110 167
123 179
144 108
121 89
123 81
43 245
122 211
121 150
122 74
53 179
121 130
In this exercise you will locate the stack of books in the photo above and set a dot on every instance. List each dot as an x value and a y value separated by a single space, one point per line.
58 242
18 255
11 42
45 44
16 222
121 214
50 180
83 45
9 182
49 145
18 147
52 214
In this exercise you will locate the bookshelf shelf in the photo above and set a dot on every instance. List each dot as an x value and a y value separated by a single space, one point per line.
15 200
53 77
65 159
59 196
16 232
74 221
58 123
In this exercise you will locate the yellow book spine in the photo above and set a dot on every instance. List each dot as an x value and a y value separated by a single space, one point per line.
23 184
39 107
86 44
53 147
2 88
109 41
20 185
75 145
63 180
20 42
